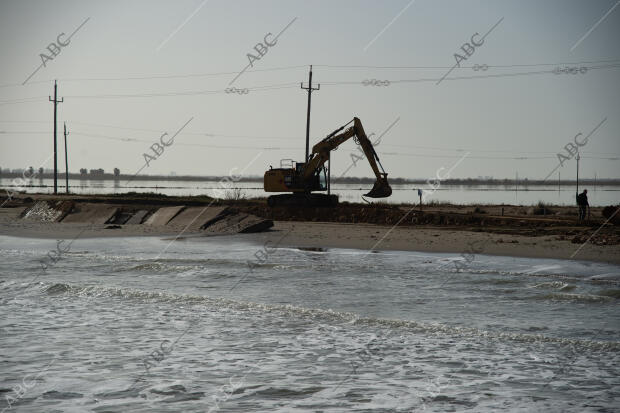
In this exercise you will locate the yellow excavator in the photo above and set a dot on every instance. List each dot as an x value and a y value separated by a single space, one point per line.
302 178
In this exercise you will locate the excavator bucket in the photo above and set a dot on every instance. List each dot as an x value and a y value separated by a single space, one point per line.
381 189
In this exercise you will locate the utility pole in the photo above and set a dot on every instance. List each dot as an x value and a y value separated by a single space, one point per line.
577 172
329 174
56 102
595 179
516 182
66 161
310 90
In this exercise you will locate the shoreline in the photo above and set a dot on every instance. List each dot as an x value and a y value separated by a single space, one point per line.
435 240
450 229
370 237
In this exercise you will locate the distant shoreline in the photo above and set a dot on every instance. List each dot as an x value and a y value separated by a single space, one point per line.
342 180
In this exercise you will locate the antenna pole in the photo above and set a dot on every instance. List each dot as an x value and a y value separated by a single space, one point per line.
66 161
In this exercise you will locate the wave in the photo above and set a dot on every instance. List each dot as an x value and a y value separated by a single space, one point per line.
594 279
154 266
555 285
610 293
583 298
326 315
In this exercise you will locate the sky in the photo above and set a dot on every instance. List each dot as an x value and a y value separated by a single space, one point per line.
135 70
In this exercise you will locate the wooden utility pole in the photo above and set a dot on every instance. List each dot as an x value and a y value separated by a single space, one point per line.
56 102
310 90
66 161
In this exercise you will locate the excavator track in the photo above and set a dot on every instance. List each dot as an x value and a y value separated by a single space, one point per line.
302 200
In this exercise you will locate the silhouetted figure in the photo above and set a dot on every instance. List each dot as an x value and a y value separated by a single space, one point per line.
582 201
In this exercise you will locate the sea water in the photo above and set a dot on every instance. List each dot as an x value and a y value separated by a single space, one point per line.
146 324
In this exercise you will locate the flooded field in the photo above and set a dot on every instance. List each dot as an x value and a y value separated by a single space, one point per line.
482 194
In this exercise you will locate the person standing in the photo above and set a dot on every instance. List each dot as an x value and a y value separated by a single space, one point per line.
582 201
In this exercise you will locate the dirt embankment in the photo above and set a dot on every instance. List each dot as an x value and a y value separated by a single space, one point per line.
558 221
515 219
118 213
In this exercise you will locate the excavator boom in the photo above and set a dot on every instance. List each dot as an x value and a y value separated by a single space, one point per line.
321 153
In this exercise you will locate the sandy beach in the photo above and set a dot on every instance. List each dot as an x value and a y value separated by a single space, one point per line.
425 238
380 237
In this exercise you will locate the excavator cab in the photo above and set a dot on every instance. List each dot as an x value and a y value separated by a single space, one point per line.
316 182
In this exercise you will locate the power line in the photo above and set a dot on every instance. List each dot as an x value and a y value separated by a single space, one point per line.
467 67
435 148
283 68
151 130
23 132
207 135
157 77
291 138
214 135
156 94
497 75
23 100
98 136
24 121
516 158
335 83
283 148
290 85
186 93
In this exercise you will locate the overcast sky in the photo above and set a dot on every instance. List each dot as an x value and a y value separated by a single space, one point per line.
125 79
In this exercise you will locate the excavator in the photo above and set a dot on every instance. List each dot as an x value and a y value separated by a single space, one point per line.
300 179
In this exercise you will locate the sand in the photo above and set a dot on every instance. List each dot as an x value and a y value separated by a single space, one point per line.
379 237
339 235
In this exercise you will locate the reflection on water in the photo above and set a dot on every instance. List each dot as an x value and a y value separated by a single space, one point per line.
599 195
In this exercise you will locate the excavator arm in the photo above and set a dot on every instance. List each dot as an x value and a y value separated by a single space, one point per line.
321 153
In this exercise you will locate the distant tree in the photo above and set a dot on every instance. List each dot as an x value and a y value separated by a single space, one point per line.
30 172
41 172
83 171
117 172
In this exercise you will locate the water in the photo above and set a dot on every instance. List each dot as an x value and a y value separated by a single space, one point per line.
118 325
600 195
